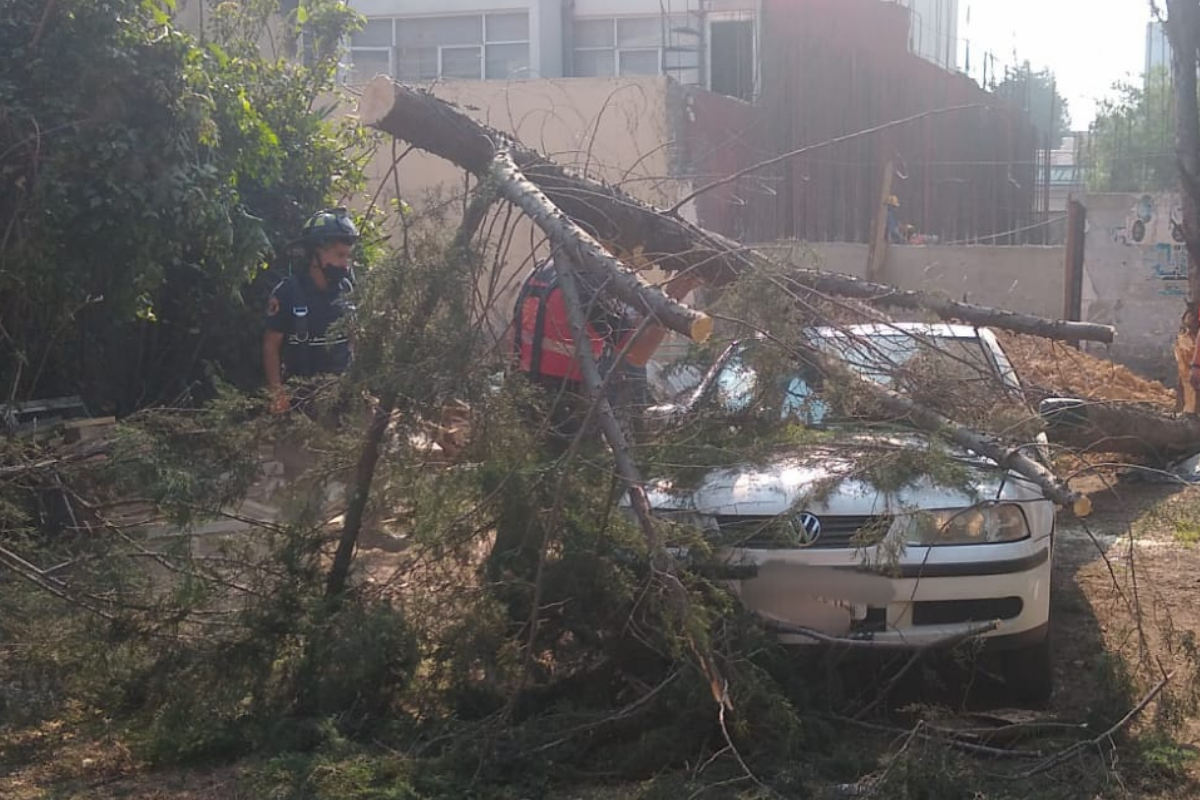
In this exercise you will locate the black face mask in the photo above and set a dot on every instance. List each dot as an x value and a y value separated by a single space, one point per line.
335 275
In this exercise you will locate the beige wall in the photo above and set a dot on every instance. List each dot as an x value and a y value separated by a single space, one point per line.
618 130
1027 278
1135 277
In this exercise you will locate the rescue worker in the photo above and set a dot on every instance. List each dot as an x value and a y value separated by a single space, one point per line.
895 231
308 312
544 348
1194 375
544 351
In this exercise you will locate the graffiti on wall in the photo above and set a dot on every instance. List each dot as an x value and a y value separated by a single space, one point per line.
1153 227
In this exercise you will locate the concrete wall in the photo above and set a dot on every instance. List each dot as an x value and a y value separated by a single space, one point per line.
1135 277
1028 279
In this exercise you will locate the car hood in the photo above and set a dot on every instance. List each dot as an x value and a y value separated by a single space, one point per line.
831 478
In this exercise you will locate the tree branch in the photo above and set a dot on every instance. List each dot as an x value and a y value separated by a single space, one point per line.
573 243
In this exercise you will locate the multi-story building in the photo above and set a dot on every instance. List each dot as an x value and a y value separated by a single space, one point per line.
933 30
709 44
1158 48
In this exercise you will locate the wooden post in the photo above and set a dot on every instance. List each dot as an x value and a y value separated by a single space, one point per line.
879 242
1073 285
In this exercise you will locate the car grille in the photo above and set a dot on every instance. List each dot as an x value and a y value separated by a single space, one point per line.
954 612
775 533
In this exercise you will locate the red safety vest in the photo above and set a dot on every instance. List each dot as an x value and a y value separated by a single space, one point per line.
543 344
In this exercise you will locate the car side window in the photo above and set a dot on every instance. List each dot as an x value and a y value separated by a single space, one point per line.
739 390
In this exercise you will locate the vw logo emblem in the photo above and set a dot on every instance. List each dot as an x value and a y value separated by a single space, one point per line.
806 529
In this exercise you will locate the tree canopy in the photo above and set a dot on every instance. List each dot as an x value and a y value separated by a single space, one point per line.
148 179
1035 92
1132 142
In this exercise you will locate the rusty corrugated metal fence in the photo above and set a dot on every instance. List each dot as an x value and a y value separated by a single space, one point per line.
833 67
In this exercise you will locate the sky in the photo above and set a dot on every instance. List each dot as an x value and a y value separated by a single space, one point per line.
1088 44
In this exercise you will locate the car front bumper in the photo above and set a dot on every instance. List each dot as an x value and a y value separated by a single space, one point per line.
929 596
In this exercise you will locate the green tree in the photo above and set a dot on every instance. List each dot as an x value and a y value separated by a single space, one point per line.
1036 93
1132 141
146 181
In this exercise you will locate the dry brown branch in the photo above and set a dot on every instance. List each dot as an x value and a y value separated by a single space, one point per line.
944 736
1096 743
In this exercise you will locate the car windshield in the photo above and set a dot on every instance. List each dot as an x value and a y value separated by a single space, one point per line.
935 368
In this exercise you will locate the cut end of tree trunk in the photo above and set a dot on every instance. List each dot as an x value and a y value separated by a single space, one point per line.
377 100
702 328
1082 506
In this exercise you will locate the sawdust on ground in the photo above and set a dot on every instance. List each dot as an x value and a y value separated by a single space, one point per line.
1056 369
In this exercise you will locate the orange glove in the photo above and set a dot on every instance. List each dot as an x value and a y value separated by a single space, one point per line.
279 401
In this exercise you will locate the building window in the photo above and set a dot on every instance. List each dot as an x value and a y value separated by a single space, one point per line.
472 47
371 51
611 46
731 59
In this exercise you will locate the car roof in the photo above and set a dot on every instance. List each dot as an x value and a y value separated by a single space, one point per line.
932 330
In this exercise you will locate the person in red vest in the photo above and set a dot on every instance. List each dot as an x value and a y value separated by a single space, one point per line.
1194 372
544 348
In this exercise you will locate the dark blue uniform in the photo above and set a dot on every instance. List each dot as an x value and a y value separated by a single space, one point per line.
315 325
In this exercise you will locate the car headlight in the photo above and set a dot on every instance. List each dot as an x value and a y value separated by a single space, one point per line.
983 524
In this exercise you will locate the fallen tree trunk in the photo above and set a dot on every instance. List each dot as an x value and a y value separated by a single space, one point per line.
1136 430
668 241
833 283
585 253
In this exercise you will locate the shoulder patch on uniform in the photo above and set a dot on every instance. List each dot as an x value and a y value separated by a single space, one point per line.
273 306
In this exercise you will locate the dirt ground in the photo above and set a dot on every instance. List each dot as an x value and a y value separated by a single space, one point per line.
1140 551
1127 583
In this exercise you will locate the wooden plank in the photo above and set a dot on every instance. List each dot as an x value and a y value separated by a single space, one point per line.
877 256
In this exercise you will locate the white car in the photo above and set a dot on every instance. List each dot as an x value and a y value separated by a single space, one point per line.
810 541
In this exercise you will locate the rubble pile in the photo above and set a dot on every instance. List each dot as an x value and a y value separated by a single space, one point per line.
1052 368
